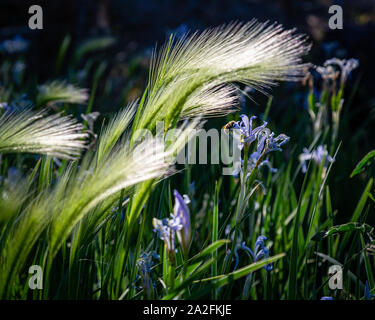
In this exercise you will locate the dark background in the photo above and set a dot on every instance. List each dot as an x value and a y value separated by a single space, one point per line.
139 24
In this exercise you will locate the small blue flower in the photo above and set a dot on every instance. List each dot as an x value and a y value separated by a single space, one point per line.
327 72
179 222
267 142
162 229
17 105
368 294
260 252
181 211
15 45
244 132
317 156
144 265
346 66
166 229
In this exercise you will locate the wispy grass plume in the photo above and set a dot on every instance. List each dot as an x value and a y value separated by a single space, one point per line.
192 75
58 91
91 45
120 170
74 195
115 128
31 132
189 75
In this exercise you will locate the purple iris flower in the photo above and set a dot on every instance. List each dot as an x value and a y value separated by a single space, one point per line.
181 211
244 129
267 141
179 222
346 66
16 45
368 294
166 229
245 134
316 155
260 252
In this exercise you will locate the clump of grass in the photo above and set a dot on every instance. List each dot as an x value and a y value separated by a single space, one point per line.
57 91
190 75
36 132
88 220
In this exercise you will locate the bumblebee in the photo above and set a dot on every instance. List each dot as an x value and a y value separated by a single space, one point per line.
229 126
